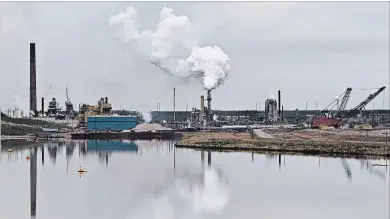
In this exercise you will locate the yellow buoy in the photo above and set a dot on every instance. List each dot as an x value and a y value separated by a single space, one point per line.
27 157
81 170
9 150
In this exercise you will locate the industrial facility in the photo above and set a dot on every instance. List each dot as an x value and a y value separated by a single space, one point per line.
335 115
102 117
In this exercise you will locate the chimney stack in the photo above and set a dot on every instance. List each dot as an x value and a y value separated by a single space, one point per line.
201 107
279 106
33 81
106 99
209 105
43 106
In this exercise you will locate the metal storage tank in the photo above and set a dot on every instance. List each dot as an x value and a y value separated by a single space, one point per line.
112 123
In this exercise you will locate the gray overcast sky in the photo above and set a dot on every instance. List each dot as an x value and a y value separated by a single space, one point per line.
311 51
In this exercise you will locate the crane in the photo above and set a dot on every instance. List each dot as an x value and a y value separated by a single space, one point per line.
69 106
47 91
341 116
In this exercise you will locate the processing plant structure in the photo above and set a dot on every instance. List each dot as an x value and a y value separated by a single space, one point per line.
335 115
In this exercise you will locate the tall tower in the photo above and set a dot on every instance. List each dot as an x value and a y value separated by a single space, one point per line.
33 81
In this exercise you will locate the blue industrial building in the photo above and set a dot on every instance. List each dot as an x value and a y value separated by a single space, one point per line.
111 123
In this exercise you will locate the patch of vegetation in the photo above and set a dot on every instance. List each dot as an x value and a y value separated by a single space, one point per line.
7 129
31 122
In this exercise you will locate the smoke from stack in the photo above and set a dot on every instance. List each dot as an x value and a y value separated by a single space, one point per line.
174 33
33 80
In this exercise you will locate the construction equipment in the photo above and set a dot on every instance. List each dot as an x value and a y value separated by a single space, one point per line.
363 127
69 106
338 117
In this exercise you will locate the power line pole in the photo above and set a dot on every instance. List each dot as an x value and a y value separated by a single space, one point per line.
174 104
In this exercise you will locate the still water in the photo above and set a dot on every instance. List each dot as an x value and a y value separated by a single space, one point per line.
151 180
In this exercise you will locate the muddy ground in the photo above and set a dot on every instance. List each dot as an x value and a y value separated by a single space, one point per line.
298 141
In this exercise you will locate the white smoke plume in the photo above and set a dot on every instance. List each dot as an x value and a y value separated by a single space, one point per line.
172 40
209 62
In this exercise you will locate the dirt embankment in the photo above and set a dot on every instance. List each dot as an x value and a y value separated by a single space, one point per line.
293 142
24 126
336 135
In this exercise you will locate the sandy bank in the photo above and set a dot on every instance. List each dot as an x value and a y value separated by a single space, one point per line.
314 145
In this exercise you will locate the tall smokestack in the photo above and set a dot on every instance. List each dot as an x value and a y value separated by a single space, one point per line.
279 112
106 99
33 80
174 104
282 114
209 104
43 106
201 107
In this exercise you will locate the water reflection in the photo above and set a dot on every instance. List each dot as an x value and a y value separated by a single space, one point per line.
347 169
33 181
229 185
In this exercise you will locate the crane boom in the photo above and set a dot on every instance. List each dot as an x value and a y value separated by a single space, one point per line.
47 91
355 110
67 97
345 99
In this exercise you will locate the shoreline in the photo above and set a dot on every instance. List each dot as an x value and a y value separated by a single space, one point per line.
245 142
269 142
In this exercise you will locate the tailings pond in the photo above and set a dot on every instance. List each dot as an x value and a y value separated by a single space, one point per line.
152 180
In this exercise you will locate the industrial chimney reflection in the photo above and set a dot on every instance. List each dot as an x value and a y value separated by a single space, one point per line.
43 154
202 158
69 148
33 181
209 158
52 149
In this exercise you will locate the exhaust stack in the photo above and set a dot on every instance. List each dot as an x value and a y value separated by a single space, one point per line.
43 106
279 110
33 81
201 107
209 115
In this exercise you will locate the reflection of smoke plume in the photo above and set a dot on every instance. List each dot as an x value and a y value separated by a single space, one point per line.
187 198
166 45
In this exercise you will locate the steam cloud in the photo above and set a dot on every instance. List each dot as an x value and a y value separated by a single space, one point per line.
174 36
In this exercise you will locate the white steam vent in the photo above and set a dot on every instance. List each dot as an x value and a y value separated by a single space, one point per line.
173 48
209 63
